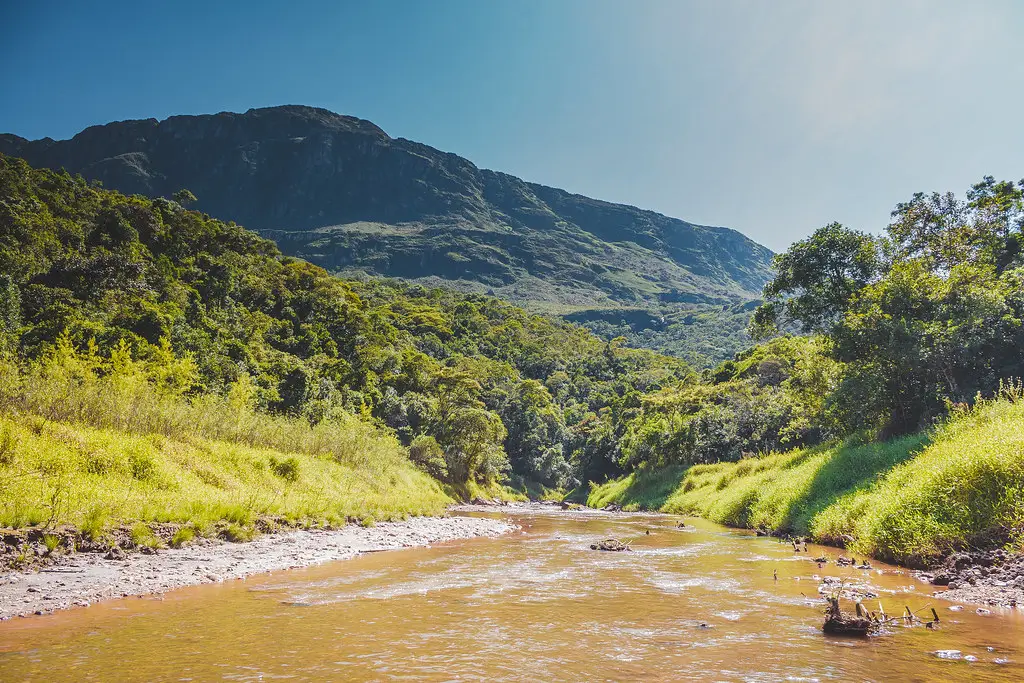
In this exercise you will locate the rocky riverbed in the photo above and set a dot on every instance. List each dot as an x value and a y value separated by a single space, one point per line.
78 579
993 578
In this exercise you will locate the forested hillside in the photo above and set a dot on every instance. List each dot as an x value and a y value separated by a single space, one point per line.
339 192
148 318
478 388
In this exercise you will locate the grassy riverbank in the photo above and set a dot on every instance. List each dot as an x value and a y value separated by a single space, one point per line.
59 473
96 442
911 500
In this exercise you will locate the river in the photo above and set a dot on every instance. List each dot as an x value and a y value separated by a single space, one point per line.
696 604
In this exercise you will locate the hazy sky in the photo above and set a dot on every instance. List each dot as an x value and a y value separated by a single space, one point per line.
770 117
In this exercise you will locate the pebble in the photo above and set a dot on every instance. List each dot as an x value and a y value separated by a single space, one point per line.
948 654
984 612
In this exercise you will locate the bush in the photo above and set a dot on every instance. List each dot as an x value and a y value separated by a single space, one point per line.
426 454
287 469
94 525
143 537
51 542
237 533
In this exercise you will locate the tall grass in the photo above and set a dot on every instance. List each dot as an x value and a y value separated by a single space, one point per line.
910 500
83 387
95 440
94 478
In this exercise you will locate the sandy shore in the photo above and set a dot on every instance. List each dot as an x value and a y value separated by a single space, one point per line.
84 578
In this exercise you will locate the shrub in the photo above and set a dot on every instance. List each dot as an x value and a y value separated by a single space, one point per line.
143 537
237 533
94 525
51 542
287 469
427 454
8 446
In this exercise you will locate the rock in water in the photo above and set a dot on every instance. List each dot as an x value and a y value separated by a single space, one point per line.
611 544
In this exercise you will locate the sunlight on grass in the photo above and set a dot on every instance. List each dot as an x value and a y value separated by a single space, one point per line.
910 500
97 442
89 477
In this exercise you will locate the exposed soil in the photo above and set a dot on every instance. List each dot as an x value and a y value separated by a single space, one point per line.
63 579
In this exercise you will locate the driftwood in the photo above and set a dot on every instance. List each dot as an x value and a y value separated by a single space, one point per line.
839 624
864 622
611 545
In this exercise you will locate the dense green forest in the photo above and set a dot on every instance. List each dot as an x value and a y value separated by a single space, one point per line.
477 388
703 335
898 329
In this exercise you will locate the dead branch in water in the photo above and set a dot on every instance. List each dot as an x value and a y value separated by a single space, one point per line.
611 544
865 623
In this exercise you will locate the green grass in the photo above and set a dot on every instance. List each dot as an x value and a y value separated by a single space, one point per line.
79 387
910 500
97 444
491 491
51 542
95 478
183 536
143 537
644 489
524 489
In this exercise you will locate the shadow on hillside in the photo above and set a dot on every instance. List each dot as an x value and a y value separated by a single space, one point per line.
649 489
851 468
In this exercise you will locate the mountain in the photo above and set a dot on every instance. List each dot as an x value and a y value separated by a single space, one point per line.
341 193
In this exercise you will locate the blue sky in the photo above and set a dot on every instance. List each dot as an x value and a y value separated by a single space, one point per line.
771 117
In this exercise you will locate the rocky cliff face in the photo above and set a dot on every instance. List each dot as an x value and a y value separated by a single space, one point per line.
340 192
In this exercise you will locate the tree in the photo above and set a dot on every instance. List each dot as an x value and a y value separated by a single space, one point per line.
426 453
184 197
931 313
470 435
946 232
816 279
536 433
10 313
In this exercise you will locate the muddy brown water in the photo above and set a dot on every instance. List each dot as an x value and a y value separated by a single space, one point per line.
700 604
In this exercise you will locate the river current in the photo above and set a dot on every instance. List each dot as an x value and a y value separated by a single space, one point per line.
701 603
